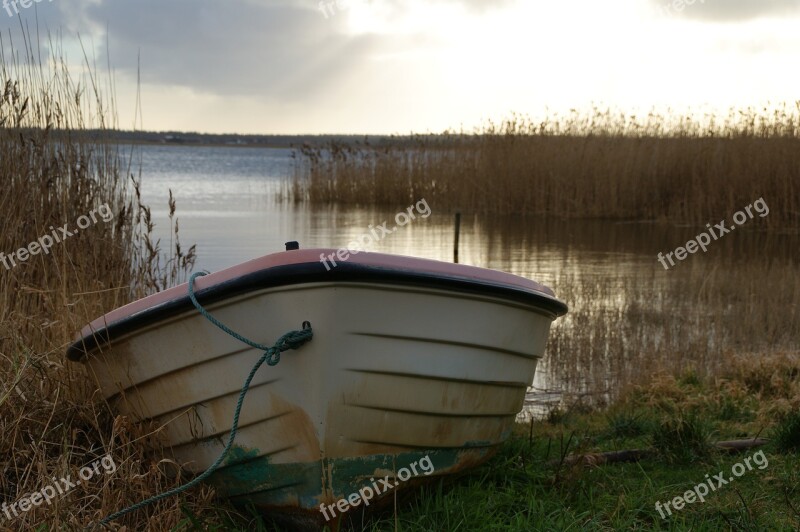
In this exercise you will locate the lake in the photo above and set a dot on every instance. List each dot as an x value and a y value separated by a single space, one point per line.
629 316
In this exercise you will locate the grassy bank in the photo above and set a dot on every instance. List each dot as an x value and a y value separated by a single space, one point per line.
596 166
529 486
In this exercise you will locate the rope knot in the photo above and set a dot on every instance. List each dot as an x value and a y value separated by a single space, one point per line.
273 356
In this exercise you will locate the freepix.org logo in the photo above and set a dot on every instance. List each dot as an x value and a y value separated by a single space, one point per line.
58 488
703 240
56 236
379 487
377 233
8 5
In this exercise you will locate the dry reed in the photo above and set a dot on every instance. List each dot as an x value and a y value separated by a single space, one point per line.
52 172
621 328
598 165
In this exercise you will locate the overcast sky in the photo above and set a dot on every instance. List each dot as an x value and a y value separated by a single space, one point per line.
397 66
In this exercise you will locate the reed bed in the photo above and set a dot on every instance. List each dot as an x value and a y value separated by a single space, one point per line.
629 317
600 164
623 329
52 423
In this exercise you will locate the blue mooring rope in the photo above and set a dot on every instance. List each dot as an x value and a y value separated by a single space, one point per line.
272 355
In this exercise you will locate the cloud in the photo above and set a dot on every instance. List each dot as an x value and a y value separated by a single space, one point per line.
727 10
483 5
276 50
279 50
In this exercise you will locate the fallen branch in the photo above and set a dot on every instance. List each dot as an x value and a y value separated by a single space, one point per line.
740 445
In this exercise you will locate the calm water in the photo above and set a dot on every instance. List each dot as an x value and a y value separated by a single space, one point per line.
628 315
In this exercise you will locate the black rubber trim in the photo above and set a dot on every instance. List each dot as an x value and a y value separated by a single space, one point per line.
310 272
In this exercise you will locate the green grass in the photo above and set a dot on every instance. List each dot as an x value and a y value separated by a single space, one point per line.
682 439
521 490
787 433
518 490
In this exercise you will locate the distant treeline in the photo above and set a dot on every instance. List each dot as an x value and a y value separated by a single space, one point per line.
193 138
235 139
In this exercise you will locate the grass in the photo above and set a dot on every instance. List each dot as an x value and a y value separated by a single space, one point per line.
787 433
598 165
525 487
682 439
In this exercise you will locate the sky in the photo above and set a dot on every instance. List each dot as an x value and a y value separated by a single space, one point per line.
402 66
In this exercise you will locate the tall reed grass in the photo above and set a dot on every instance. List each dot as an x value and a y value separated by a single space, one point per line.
622 329
52 171
596 165
629 317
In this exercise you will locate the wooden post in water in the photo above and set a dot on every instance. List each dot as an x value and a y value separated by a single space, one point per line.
455 242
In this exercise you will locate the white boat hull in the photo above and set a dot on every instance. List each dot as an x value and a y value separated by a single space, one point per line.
393 373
